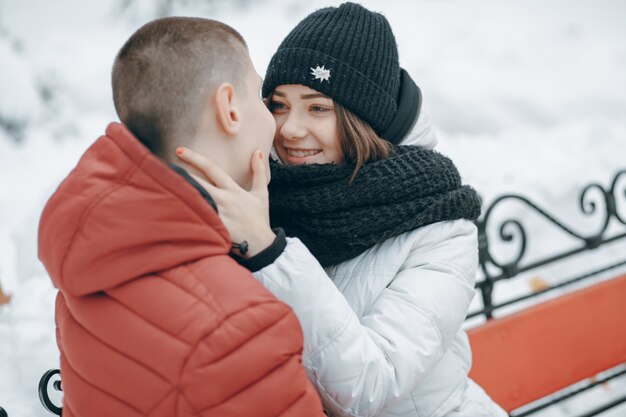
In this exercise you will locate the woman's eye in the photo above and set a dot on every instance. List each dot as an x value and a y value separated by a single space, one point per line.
319 109
276 106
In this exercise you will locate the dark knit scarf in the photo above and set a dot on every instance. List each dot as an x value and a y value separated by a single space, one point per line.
337 221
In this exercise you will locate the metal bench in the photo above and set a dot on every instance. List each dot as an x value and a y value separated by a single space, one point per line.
559 348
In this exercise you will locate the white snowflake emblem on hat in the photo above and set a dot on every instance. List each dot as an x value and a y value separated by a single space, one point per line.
321 73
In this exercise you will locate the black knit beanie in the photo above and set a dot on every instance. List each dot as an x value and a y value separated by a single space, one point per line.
349 54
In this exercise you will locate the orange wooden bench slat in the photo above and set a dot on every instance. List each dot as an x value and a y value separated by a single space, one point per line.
549 346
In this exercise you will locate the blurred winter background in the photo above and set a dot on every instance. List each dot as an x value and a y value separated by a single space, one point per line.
527 96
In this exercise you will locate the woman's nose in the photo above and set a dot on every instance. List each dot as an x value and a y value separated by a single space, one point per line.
293 127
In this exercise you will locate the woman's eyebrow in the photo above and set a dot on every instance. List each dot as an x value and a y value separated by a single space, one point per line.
315 95
302 96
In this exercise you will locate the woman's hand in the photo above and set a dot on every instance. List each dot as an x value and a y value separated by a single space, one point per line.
244 213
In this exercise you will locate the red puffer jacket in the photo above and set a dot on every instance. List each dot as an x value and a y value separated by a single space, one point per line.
153 317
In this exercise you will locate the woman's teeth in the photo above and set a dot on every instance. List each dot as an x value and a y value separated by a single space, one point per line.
301 154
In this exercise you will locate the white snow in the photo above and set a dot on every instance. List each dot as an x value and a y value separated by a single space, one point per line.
21 101
527 97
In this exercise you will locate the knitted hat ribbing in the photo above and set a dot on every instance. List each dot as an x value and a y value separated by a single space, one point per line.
348 53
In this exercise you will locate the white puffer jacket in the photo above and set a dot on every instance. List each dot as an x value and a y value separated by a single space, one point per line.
382 331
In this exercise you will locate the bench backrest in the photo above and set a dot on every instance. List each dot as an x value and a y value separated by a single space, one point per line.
533 353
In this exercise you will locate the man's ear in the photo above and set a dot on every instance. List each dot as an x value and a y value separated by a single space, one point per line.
226 110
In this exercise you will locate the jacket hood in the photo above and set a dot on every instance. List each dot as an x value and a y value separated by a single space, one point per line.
122 214
422 134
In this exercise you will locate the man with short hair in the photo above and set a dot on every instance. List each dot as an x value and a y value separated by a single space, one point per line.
155 316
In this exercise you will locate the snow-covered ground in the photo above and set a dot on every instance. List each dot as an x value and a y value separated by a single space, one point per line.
527 96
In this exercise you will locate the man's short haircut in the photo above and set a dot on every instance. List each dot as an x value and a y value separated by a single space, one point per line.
164 72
